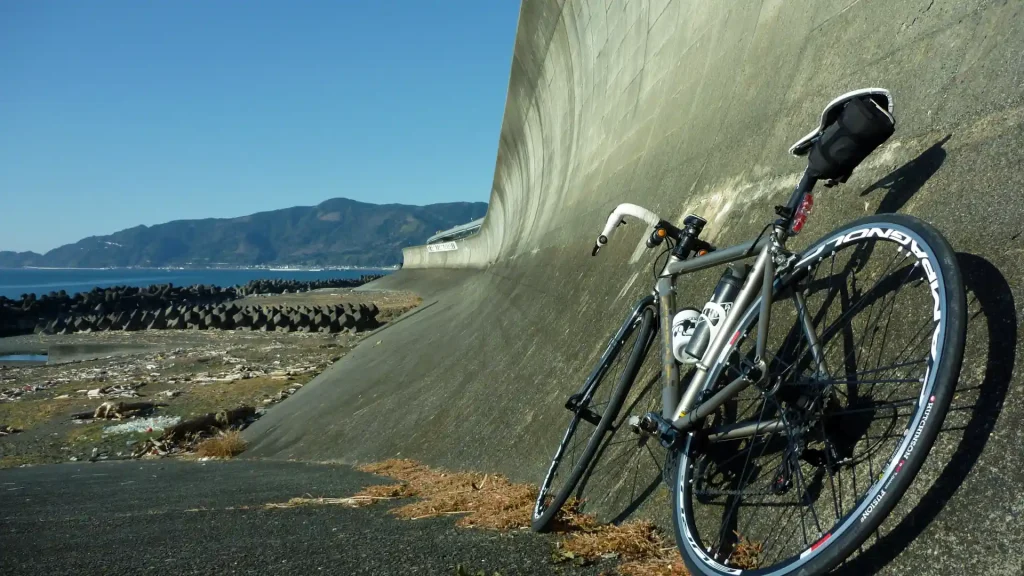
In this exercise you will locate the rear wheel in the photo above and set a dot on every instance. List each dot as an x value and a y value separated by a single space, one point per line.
865 347
594 409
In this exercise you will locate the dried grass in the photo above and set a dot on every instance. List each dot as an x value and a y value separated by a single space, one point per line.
483 500
493 502
644 551
352 502
571 518
224 445
747 554
639 546
654 567
629 541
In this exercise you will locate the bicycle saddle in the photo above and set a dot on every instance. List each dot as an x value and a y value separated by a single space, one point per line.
880 96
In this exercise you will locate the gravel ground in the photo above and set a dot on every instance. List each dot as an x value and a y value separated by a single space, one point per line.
177 517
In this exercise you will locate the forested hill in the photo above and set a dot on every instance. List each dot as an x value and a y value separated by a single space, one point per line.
338 232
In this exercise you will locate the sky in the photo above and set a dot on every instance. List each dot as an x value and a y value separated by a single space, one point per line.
121 112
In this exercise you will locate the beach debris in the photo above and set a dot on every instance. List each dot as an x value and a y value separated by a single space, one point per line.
185 436
11 394
250 367
143 425
117 410
212 422
116 391
281 395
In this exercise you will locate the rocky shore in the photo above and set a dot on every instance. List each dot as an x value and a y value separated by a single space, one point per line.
150 393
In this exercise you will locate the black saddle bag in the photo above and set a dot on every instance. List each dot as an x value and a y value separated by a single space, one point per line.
860 128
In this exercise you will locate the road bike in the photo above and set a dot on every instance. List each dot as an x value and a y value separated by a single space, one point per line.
816 382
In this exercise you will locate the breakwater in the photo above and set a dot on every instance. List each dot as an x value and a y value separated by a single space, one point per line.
166 306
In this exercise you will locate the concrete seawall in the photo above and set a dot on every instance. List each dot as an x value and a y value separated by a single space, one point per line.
690 107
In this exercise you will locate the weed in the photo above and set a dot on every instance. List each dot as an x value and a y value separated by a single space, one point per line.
224 445
483 500
493 502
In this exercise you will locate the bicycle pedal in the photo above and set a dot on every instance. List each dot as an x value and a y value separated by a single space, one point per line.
653 424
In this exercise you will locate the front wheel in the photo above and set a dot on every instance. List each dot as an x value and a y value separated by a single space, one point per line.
865 347
593 409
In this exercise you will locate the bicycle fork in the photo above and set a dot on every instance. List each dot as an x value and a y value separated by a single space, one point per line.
579 403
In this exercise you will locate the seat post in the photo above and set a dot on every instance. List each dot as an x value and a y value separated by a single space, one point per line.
787 212
806 184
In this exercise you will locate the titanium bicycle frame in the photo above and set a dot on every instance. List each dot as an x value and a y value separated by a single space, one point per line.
679 408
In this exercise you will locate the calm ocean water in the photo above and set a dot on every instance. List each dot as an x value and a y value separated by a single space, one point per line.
15 282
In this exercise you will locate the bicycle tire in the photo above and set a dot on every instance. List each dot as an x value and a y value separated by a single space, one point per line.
851 529
543 515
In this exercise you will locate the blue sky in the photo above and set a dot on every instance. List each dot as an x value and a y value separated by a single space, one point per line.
121 112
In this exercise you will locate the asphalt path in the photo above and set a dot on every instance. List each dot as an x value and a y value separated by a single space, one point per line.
177 517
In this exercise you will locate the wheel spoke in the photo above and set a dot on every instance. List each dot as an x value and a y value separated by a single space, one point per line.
869 307
590 433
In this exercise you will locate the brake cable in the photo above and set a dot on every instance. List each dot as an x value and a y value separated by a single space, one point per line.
668 248
758 239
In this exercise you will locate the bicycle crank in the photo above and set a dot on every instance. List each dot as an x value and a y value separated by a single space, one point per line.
653 424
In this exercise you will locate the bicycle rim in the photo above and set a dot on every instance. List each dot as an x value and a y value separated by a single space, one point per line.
603 397
792 498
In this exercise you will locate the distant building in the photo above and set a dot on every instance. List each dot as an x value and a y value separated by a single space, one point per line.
457 232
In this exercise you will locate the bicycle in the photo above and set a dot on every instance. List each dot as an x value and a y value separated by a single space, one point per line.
779 397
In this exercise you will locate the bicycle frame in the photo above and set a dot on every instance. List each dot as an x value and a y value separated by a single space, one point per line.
680 408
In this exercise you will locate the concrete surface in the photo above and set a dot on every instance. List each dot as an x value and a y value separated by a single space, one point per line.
208 518
690 107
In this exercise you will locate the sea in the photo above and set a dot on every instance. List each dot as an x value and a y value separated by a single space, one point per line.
17 281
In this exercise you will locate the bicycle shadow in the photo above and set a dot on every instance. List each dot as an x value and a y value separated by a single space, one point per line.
991 308
906 180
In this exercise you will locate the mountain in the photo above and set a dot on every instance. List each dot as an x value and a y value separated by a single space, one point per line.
18 259
338 232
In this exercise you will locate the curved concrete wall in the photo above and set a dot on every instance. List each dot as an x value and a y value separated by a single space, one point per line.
689 106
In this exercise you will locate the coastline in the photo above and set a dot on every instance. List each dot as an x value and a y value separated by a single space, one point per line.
14 282
176 374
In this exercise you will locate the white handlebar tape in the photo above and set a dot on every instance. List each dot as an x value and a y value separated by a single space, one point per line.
626 210
616 217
